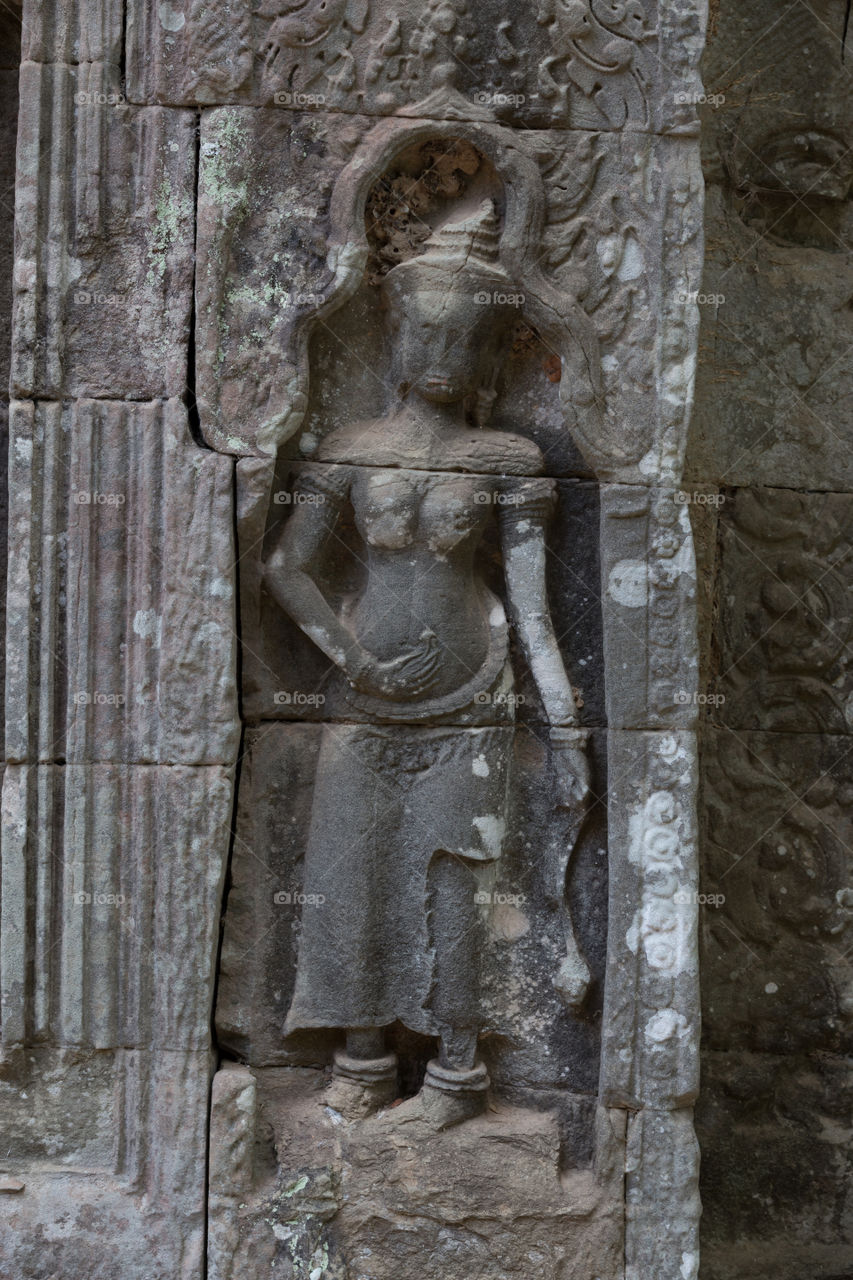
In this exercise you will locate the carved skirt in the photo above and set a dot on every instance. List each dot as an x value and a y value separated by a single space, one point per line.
402 818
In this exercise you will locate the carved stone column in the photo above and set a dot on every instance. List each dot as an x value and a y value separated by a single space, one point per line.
121 705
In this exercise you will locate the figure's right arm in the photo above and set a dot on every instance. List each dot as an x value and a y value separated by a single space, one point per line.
290 573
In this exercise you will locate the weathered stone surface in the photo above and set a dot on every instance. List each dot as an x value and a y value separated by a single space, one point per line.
112 878
783 640
123 586
532 1042
606 205
286 676
778 915
104 220
8 131
776 375
773 409
134 1175
776 1175
648 575
361 172
88 31
662 1195
772 396
650 1032
380 1198
589 66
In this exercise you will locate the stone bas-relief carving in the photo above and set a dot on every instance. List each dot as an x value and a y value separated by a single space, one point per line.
769 470
406 523
587 64
780 218
423 644
291 1188
479 536
585 235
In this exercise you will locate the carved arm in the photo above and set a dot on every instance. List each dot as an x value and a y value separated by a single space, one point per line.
524 516
289 573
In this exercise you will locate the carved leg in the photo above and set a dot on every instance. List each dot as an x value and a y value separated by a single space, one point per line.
366 1042
364 1076
455 1085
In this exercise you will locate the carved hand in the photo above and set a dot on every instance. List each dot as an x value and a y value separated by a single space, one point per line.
407 676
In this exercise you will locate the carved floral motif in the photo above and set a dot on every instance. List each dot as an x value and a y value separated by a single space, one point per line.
777 849
786 629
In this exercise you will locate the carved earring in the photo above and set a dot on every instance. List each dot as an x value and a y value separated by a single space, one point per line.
486 397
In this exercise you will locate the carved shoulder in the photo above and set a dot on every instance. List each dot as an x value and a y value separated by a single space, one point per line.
501 452
360 444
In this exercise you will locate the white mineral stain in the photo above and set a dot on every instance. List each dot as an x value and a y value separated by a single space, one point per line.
649 463
480 766
628 583
508 923
632 264
665 1025
148 624
491 829
170 19
689 1265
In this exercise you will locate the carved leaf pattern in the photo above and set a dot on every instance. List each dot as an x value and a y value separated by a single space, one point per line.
219 49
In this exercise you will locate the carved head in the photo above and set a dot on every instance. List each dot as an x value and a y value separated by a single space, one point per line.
452 308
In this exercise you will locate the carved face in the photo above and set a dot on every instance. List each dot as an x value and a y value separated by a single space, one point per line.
450 338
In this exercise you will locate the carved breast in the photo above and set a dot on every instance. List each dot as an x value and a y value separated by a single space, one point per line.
395 510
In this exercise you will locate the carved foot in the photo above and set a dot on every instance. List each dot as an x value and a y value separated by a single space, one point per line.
361 1086
451 1096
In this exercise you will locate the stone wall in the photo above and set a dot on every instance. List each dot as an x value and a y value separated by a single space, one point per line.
195 310
770 478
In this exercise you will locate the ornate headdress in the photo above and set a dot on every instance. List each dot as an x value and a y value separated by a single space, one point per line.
468 249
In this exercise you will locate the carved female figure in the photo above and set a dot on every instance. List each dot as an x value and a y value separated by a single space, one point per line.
410 799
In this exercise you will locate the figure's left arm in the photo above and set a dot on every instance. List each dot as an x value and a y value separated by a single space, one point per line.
524 519
524 515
